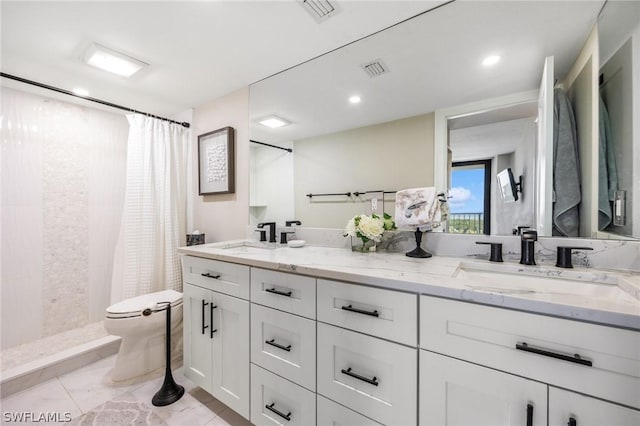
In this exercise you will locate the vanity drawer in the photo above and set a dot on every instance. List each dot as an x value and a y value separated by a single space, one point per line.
277 401
382 313
488 336
287 292
284 344
332 414
374 377
227 278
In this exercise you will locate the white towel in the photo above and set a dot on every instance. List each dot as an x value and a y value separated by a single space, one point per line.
418 207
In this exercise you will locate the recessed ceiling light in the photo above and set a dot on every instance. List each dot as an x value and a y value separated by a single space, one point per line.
109 60
355 99
80 92
273 122
491 60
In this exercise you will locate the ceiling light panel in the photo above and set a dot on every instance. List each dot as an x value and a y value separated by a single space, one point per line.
273 122
107 59
491 60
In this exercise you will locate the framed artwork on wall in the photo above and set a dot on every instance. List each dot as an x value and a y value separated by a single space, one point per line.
216 172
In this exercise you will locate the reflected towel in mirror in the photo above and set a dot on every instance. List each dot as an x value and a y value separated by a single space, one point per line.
418 207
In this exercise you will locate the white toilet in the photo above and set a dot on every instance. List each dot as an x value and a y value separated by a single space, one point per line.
143 336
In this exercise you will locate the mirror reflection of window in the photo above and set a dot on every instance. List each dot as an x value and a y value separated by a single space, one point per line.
470 197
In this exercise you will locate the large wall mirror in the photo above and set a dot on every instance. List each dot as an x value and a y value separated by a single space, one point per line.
359 122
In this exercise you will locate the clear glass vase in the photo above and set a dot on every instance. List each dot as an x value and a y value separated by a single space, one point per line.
363 247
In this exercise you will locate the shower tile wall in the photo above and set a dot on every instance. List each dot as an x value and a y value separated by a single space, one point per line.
62 190
65 224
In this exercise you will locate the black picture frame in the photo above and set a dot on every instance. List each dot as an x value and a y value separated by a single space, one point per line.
216 162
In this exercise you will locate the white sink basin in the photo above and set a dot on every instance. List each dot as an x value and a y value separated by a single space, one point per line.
512 278
245 246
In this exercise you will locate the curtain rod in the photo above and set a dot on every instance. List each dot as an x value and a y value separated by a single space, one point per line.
99 101
272 146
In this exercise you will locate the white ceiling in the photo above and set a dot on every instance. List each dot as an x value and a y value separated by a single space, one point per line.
434 61
197 50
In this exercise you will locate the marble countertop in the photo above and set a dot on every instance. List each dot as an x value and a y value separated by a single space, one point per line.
584 294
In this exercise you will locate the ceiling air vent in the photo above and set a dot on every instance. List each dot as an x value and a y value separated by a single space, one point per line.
375 68
320 10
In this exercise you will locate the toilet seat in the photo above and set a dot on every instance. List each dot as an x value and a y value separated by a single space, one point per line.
134 306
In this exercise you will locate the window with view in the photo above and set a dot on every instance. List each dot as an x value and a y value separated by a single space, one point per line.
470 197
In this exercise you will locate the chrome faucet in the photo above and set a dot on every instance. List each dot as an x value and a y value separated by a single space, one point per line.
272 230
528 240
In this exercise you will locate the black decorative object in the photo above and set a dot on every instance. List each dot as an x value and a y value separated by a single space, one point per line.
170 391
527 246
418 251
563 259
576 358
496 251
195 239
350 373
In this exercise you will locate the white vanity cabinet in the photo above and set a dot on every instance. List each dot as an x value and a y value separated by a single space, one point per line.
454 392
333 414
574 409
216 333
518 348
277 401
375 374
281 348
284 344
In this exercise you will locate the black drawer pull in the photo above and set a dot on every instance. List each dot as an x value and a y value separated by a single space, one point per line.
287 416
204 327
273 343
576 358
373 381
279 293
211 320
572 422
350 308
529 415
208 275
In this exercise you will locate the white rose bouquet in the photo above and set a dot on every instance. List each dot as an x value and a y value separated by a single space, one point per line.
369 227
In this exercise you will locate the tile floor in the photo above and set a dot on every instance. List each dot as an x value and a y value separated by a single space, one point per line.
88 387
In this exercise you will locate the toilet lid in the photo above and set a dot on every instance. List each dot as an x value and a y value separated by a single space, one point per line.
135 305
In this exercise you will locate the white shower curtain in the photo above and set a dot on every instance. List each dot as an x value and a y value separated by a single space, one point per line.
153 219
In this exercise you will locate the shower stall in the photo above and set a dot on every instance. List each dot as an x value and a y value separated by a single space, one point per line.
63 170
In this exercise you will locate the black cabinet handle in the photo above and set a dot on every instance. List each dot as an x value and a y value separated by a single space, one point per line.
572 422
273 343
575 358
211 320
529 415
279 293
350 308
269 407
208 275
204 327
348 372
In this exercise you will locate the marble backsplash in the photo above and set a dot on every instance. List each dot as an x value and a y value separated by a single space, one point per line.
606 254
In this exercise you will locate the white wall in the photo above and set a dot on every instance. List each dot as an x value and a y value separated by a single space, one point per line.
513 140
63 180
617 94
223 216
271 184
388 156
